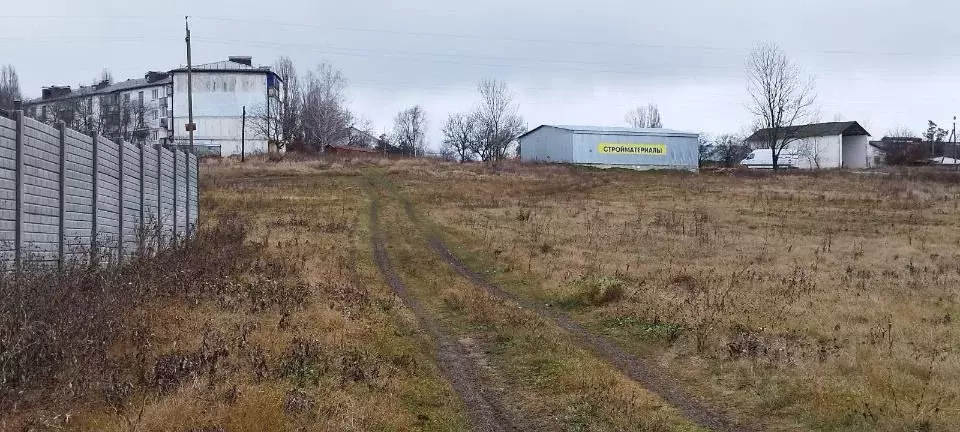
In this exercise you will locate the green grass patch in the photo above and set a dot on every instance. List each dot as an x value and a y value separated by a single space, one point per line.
626 327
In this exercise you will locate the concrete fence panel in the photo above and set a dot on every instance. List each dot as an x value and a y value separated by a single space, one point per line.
65 195
132 200
8 189
167 204
40 196
181 187
78 194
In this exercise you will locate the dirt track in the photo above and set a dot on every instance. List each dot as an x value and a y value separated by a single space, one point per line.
645 372
484 407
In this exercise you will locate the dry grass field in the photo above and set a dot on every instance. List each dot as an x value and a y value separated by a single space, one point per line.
801 302
318 296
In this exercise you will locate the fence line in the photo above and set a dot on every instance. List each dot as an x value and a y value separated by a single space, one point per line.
65 195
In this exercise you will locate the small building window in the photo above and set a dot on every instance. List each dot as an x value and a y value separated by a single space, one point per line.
126 97
153 114
156 93
156 136
140 96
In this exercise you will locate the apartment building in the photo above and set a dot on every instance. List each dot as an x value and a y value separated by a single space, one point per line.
154 109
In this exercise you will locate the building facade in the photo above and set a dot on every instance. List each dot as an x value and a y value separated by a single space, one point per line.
133 110
822 145
154 109
612 147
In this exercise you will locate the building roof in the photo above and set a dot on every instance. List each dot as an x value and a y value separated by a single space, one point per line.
613 130
130 84
233 65
224 65
850 128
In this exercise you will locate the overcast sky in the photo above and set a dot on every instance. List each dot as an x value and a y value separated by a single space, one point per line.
884 63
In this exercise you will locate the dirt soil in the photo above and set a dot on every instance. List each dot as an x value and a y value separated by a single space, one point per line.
645 372
458 364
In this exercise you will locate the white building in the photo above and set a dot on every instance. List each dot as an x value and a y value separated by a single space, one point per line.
153 110
221 91
822 145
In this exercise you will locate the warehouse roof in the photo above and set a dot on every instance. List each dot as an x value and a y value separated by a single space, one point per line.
850 128
614 130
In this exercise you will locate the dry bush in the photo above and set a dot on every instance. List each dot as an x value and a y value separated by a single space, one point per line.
71 335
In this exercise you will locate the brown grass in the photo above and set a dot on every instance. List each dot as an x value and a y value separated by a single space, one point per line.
274 319
823 301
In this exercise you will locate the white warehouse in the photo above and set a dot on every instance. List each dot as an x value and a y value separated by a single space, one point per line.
821 145
612 147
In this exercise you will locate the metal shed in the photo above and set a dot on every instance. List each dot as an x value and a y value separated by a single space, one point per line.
612 147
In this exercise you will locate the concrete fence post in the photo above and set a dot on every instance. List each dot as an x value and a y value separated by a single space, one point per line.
62 227
18 216
142 228
120 182
186 195
159 196
176 158
95 209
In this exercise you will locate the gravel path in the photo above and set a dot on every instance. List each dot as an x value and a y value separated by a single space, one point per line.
650 375
484 407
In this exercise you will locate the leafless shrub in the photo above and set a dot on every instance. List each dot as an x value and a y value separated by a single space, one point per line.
57 328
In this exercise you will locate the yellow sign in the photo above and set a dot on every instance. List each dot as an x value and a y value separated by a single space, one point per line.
632 149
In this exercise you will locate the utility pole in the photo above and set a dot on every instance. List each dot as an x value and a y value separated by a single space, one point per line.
953 142
190 125
243 135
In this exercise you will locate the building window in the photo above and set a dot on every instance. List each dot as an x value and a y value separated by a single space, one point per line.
155 94
140 97
126 97
153 114
170 91
156 136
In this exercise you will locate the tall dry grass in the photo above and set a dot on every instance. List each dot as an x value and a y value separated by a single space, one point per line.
273 319
813 301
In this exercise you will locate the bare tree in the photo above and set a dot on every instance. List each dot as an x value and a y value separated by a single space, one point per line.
325 115
497 123
901 132
139 131
780 97
361 134
105 77
410 131
810 150
644 117
460 136
730 149
9 87
262 124
290 114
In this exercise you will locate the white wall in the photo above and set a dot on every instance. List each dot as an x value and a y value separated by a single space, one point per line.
817 152
218 101
856 151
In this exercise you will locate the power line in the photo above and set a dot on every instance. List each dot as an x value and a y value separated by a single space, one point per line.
535 40
392 32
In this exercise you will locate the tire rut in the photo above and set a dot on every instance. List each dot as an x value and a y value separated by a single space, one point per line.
484 407
642 371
